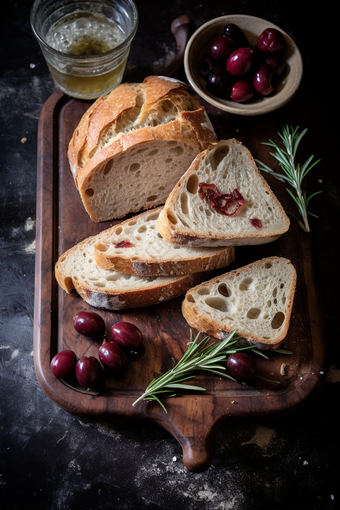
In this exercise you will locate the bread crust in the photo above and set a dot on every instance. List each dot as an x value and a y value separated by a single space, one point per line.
102 135
179 235
164 266
155 293
105 111
217 329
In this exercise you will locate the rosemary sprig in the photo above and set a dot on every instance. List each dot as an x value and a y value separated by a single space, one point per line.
293 174
198 357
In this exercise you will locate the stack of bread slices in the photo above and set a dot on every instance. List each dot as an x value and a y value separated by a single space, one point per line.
151 146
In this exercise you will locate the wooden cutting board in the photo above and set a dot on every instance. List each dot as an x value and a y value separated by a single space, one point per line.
192 418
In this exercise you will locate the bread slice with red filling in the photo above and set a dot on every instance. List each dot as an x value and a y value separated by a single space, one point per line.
222 200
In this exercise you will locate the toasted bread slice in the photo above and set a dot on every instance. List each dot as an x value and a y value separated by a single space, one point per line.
245 212
136 247
256 300
102 288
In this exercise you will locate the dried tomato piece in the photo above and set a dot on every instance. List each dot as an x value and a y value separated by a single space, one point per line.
123 244
256 223
227 203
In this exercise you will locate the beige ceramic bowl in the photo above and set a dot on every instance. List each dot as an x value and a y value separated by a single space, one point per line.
252 27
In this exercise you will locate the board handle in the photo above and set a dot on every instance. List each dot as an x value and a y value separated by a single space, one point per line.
193 422
181 28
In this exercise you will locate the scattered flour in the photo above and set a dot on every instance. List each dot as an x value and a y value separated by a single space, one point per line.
333 375
29 224
15 354
261 438
31 247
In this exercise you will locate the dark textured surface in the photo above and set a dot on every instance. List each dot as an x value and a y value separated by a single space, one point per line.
53 460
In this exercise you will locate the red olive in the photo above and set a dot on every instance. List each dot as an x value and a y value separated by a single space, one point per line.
112 356
276 65
89 324
262 79
271 40
222 47
126 335
242 366
240 61
63 363
206 63
89 372
236 34
241 91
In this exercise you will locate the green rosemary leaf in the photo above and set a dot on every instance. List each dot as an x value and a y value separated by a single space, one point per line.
160 403
268 380
260 353
293 173
186 387
311 196
199 357
216 372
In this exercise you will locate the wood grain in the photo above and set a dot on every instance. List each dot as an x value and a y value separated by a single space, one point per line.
192 418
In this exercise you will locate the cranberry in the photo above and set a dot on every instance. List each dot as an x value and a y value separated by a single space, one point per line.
241 91
222 47
123 244
242 366
271 40
256 222
240 61
63 363
235 33
89 324
262 80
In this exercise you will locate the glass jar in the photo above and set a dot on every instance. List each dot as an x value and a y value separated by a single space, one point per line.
85 43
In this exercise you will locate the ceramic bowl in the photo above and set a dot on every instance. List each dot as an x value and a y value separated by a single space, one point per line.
286 86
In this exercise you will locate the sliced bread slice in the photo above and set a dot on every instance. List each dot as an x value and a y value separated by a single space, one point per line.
131 147
256 300
102 288
222 200
136 247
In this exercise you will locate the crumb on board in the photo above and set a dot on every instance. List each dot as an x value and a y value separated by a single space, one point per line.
282 369
23 139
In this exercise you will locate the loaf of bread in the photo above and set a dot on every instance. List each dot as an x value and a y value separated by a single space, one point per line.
222 200
102 288
136 247
132 146
256 300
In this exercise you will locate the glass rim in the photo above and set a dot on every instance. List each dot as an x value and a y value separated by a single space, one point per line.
86 58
